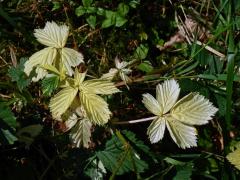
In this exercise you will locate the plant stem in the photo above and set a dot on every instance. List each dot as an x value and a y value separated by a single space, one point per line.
136 120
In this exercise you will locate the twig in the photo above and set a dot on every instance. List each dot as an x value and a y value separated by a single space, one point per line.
136 120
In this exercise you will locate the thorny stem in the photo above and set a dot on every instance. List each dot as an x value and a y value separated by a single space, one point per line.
136 120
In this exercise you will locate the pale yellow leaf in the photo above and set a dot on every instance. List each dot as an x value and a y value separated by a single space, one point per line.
62 100
183 135
99 86
110 75
193 109
79 77
38 59
52 35
96 108
234 158
81 133
167 94
151 104
156 129
70 58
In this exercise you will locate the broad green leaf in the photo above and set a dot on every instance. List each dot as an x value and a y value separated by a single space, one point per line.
110 19
17 74
49 84
151 104
28 133
62 100
193 109
145 66
167 94
81 133
95 107
234 158
87 3
184 171
123 9
91 20
7 116
183 135
52 35
45 56
80 11
56 5
9 136
96 171
134 3
120 21
70 58
99 86
141 52
115 154
156 130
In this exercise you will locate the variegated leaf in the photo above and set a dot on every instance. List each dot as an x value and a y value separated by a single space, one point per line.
193 109
234 158
96 108
151 104
167 94
156 130
62 100
183 135
81 133
52 35
99 86
45 56
70 58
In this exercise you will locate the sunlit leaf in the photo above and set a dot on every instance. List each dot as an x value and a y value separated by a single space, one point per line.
234 158
99 86
70 58
183 135
52 35
193 109
151 104
95 107
167 94
62 100
156 130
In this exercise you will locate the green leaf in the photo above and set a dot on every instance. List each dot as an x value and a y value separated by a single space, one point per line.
7 116
90 10
87 3
80 11
221 102
91 20
17 75
120 21
9 136
184 172
145 66
141 52
123 9
110 19
115 154
50 84
134 3
56 5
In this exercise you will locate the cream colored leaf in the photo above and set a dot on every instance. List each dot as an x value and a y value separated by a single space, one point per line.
183 135
40 58
71 58
151 104
81 133
156 130
234 158
51 68
110 75
52 35
99 86
62 100
124 77
96 108
193 109
79 77
167 94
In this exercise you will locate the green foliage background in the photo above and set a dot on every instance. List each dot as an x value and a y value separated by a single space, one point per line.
34 146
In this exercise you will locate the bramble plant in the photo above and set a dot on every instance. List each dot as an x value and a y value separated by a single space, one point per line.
119 89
